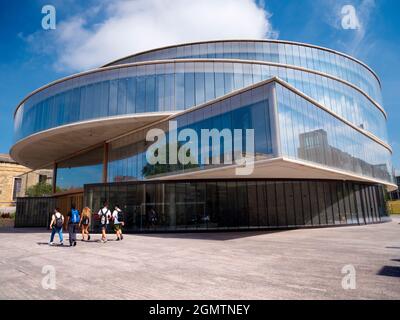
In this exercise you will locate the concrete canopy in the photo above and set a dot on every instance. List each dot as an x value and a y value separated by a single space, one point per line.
43 148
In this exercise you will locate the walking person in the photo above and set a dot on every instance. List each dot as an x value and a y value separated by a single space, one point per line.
73 221
85 222
105 215
56 225
152 217
118 219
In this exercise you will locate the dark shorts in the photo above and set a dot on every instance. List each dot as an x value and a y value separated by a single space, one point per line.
104 227
117 227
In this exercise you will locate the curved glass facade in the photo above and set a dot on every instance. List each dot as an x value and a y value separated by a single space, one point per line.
309 133
179 86
303 131
127 156
295 54
312 112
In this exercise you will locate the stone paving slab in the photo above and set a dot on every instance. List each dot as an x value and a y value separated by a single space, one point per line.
296 264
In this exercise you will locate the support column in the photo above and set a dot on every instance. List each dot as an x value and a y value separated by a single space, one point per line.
54 178
105 163
274 121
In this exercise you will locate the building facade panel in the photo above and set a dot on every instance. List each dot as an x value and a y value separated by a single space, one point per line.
76 171
179 86
306 132
10 182
127 156
239 204
310 133
295 54
17 181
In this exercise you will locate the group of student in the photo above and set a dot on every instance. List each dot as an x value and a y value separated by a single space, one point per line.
82 220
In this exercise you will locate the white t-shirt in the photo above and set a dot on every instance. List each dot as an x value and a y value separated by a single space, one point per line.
115 216
57 215
106 212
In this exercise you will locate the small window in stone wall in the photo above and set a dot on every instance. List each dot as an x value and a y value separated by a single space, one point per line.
17 187
42 178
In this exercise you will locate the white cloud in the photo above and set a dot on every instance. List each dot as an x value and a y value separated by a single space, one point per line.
127 27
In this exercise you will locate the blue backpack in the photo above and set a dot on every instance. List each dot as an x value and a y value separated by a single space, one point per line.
75 216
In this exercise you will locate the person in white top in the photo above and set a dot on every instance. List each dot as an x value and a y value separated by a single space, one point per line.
56 226
118 219
105 215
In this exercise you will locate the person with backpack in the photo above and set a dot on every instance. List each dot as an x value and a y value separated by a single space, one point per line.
73 221
85 222
118 219
56 226
105 215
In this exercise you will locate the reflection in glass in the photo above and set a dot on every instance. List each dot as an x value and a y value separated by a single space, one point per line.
241 204
79 170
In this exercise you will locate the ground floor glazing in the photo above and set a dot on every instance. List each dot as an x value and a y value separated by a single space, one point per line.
238 204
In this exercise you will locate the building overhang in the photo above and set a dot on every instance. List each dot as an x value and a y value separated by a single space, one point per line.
46 147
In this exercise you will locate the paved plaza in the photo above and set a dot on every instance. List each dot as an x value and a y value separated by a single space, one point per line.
295 264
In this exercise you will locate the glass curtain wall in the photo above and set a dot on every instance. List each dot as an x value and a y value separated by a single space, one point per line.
310 133
248 110
284 53
79 170
239 204
306 133
179 86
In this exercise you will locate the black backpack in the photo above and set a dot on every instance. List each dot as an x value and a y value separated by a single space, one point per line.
120 216
59 221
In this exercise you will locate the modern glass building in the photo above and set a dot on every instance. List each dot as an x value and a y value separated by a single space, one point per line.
321 154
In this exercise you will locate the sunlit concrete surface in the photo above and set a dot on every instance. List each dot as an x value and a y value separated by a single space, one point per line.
297 264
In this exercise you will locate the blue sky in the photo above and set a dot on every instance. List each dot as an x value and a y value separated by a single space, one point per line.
91 32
